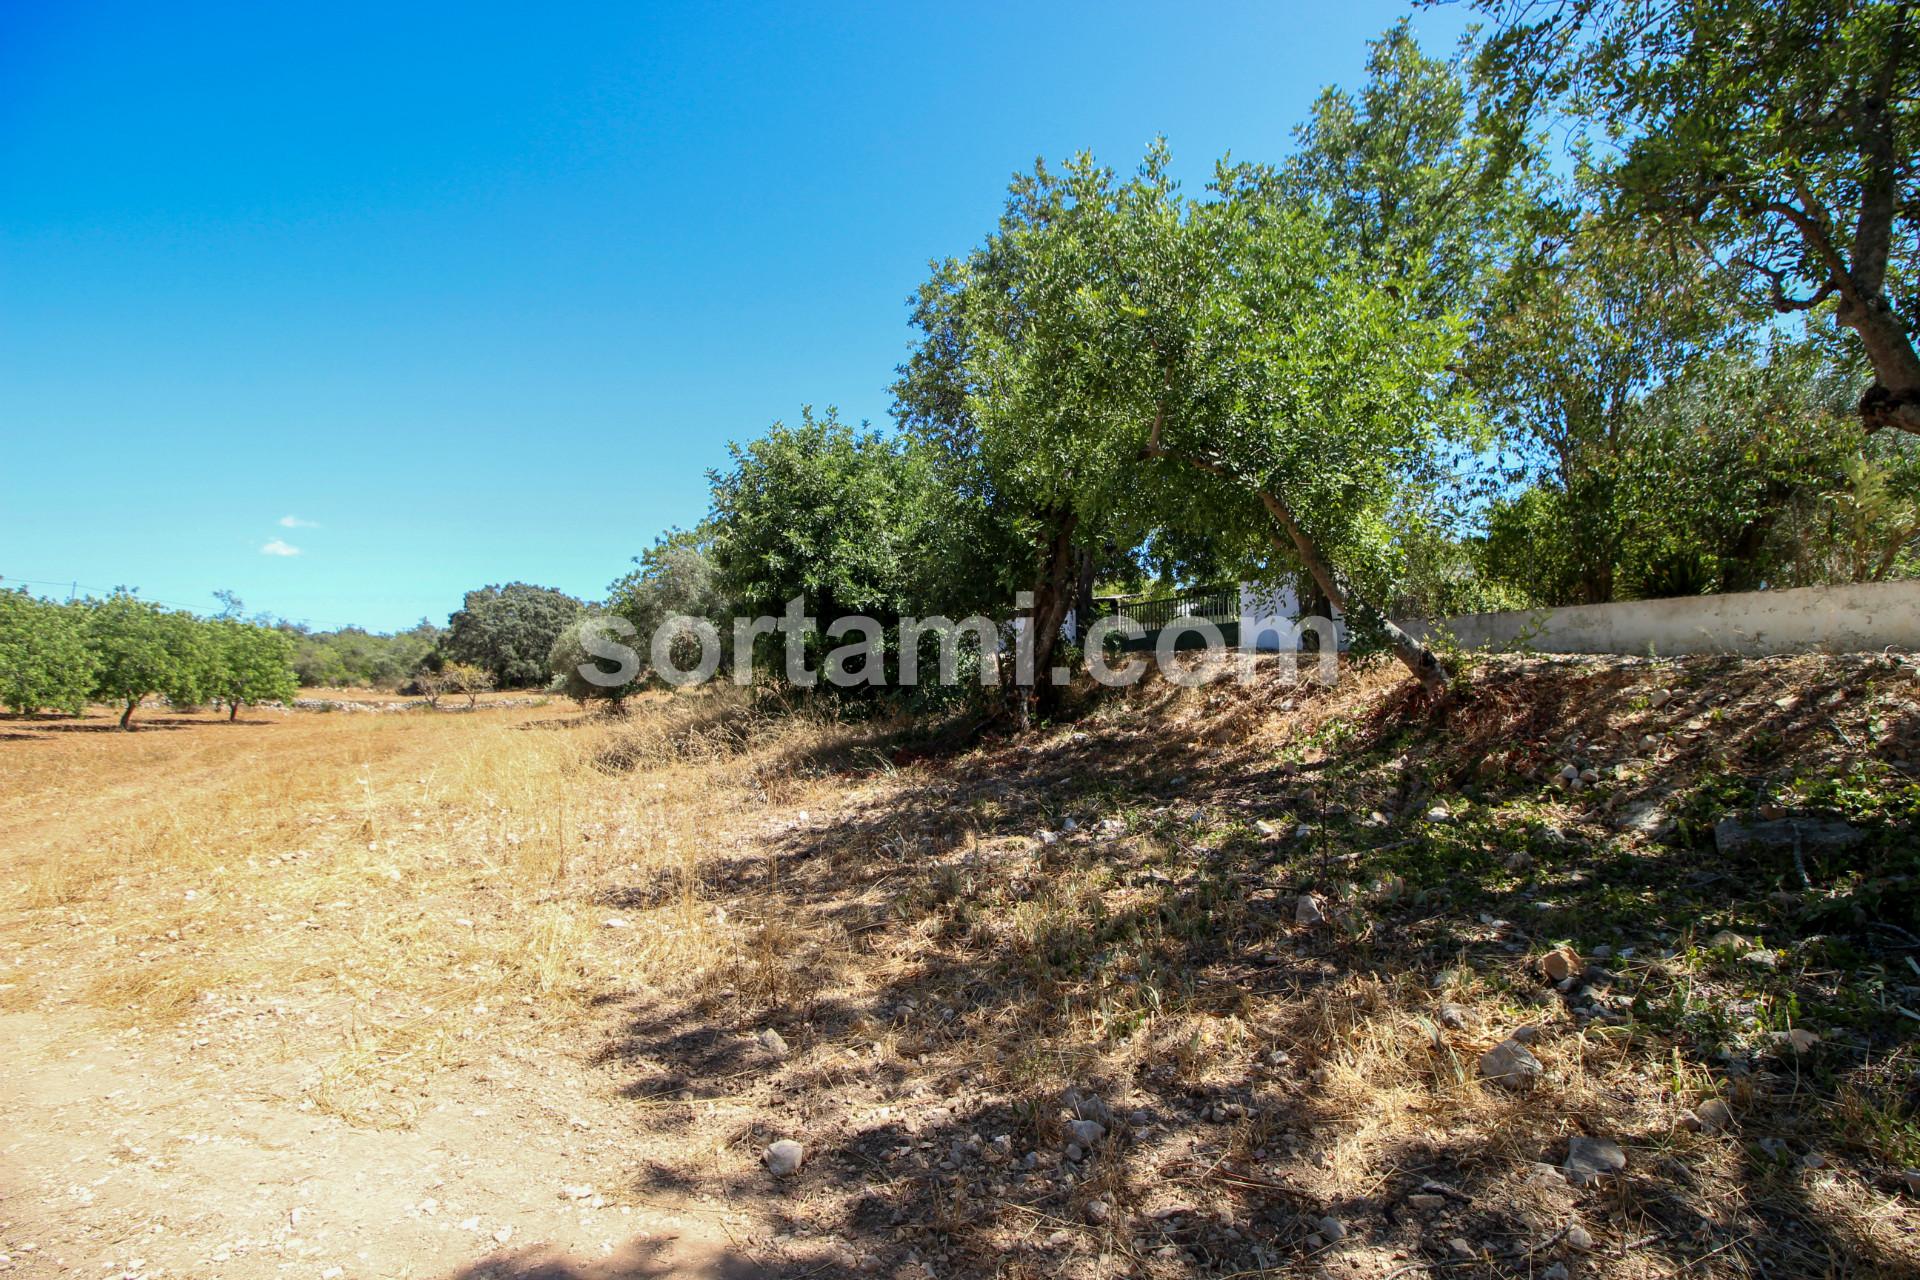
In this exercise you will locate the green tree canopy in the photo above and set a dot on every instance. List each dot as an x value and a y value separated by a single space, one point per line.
1779 136
818 510
249 664
44 659
508 631
143 649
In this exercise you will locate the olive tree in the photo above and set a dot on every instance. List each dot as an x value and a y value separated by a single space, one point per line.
1779 136
1298 400
1011 393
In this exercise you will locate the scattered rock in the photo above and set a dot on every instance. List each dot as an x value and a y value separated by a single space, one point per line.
1711 1116
1086 1132
1912 1178
1460 1246
1088 1106
773 1042
1547 1177
1426 1201
1098 1211
1591 1159
1307 910
1453 1017
1439 813
1761 959
1645 818
1330 1228
1558 1271
1519 860
1271 830
1578 1237
1798 1040
784 1157
1660 698
615 922
1560 964
1509 1065
1728 940
1738 837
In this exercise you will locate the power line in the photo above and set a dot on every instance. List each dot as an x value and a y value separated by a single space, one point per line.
74 587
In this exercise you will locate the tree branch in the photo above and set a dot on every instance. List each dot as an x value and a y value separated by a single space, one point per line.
1776 279
1873 235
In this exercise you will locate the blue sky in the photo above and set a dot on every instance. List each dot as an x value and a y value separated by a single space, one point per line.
478 293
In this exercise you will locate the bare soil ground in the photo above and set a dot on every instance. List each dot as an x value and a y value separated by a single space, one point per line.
526 993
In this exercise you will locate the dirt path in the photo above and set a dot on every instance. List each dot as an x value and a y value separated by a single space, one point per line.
132 1155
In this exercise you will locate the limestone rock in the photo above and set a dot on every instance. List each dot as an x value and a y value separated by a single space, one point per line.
1591 1159
1738 837
784 1157
1510 1065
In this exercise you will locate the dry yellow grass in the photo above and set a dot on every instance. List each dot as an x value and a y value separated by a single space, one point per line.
429 875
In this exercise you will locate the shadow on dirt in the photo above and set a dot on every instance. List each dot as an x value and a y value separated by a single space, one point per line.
640 1259
1105 927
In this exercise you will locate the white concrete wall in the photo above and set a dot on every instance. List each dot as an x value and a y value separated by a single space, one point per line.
1844 619
1267 619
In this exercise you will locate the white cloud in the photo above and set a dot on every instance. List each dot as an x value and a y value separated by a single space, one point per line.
279 548
295 522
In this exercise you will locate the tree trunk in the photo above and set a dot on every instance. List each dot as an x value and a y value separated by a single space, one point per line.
233 710
1416 657
1894 398
1053 593
126 717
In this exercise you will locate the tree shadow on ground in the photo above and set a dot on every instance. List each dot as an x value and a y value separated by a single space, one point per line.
1106 925
640 1259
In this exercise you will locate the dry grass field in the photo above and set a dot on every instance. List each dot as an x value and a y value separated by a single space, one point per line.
527 993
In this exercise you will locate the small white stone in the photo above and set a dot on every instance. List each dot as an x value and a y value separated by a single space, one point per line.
1307 910
1578 1237
784 1156
1331 1228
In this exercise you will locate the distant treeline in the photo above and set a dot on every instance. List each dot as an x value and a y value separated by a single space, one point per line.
122 650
